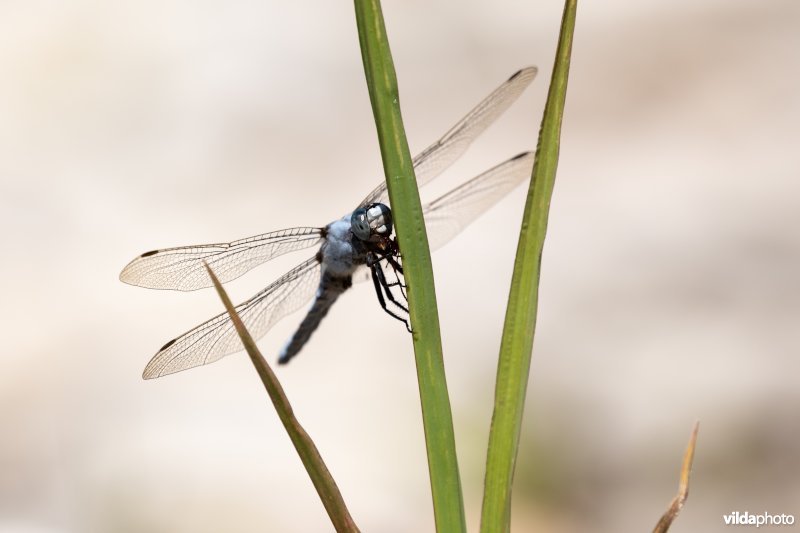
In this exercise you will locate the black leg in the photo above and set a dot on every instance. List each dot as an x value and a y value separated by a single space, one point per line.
395 263
377 275
387 289
397 283
397 268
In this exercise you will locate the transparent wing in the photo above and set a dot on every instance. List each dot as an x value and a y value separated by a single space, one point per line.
182 268
437 157
212 340
449 214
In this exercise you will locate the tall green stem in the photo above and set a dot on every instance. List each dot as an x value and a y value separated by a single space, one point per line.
407 211
515 350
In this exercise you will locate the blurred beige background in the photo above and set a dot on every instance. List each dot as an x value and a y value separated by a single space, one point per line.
670 289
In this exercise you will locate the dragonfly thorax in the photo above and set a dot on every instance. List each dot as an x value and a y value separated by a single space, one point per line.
372 223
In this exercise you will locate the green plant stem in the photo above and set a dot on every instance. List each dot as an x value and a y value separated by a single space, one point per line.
410 226
306 449
520 322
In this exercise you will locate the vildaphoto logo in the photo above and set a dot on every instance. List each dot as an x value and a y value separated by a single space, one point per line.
764 519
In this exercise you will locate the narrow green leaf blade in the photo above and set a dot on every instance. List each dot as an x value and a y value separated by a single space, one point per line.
407 212
309 455
517 343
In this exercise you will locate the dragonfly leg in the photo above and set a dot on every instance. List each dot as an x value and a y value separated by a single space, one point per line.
397 268
387 288
398 272
381 287
395 263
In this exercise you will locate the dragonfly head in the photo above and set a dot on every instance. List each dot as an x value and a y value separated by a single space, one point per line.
372 223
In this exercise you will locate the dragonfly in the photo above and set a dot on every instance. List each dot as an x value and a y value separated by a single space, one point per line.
357 247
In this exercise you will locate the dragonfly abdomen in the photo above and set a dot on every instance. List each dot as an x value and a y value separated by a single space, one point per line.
330 288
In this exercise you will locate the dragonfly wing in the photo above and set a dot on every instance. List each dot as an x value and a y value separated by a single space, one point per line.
182 268
212 340
440 155
449 214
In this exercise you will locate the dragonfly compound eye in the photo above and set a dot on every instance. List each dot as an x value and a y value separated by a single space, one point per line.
379 217
372 221
359 224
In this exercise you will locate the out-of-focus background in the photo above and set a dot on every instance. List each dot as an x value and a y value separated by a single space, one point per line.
670 290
